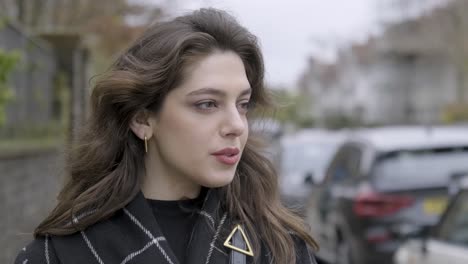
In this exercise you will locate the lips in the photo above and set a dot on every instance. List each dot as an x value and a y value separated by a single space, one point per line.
227 156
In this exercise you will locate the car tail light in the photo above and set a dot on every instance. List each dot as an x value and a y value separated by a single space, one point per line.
372 204
378 238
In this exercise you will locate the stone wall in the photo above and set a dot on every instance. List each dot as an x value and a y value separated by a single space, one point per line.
29 183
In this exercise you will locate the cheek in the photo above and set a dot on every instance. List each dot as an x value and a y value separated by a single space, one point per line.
182 131
191 131
244 137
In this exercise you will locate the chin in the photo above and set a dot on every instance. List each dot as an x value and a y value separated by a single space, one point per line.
218 181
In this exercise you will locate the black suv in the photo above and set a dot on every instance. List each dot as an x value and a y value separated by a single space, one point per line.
382 185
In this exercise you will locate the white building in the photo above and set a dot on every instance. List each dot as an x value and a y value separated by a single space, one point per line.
405 76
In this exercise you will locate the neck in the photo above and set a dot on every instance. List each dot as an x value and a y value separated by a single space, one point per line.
161 183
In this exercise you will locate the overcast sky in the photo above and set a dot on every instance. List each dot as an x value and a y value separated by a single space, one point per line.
289 31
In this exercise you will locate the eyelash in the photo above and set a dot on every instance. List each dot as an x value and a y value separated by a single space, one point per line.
208 105
205 103
246 106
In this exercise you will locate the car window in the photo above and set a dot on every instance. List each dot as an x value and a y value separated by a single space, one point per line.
304 157
418 168
345 164
454 227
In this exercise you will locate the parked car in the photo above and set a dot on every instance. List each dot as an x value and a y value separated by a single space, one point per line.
383 184
304 157
448 241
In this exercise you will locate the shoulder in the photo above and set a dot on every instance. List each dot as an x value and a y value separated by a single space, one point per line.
38 251
304 254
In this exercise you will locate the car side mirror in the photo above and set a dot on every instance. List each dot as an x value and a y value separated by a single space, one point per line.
309 178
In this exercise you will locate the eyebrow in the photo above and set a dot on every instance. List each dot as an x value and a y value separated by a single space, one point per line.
217 92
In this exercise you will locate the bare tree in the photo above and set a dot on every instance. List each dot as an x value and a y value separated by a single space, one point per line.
46 16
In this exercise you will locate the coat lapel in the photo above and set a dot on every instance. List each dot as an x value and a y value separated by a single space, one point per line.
141 215
132 235
206 244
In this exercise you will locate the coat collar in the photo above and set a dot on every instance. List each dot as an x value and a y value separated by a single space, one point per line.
132 235
207 232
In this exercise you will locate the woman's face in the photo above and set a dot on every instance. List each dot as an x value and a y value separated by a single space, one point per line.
201 130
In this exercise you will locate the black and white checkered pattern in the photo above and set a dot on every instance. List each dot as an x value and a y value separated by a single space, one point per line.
132 235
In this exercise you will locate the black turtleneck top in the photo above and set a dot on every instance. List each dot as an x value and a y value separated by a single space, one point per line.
176 220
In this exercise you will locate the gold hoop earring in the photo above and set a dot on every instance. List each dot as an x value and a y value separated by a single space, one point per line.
146 144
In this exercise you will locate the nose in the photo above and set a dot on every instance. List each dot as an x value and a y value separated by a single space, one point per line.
234 123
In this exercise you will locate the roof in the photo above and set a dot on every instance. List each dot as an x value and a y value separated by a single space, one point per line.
412 137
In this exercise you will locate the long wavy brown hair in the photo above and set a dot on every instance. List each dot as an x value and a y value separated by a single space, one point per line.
106 164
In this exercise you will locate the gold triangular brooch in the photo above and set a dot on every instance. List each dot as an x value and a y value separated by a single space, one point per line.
248 251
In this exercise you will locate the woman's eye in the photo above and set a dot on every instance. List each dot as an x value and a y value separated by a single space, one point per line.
206 105
245 106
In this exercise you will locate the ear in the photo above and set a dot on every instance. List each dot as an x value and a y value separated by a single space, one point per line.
141 126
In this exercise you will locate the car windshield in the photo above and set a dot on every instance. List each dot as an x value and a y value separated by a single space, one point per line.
454 227
419 168
307 157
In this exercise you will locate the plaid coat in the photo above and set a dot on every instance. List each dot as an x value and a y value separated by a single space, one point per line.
132 236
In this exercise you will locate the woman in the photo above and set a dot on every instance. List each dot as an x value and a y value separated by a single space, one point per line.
165 171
